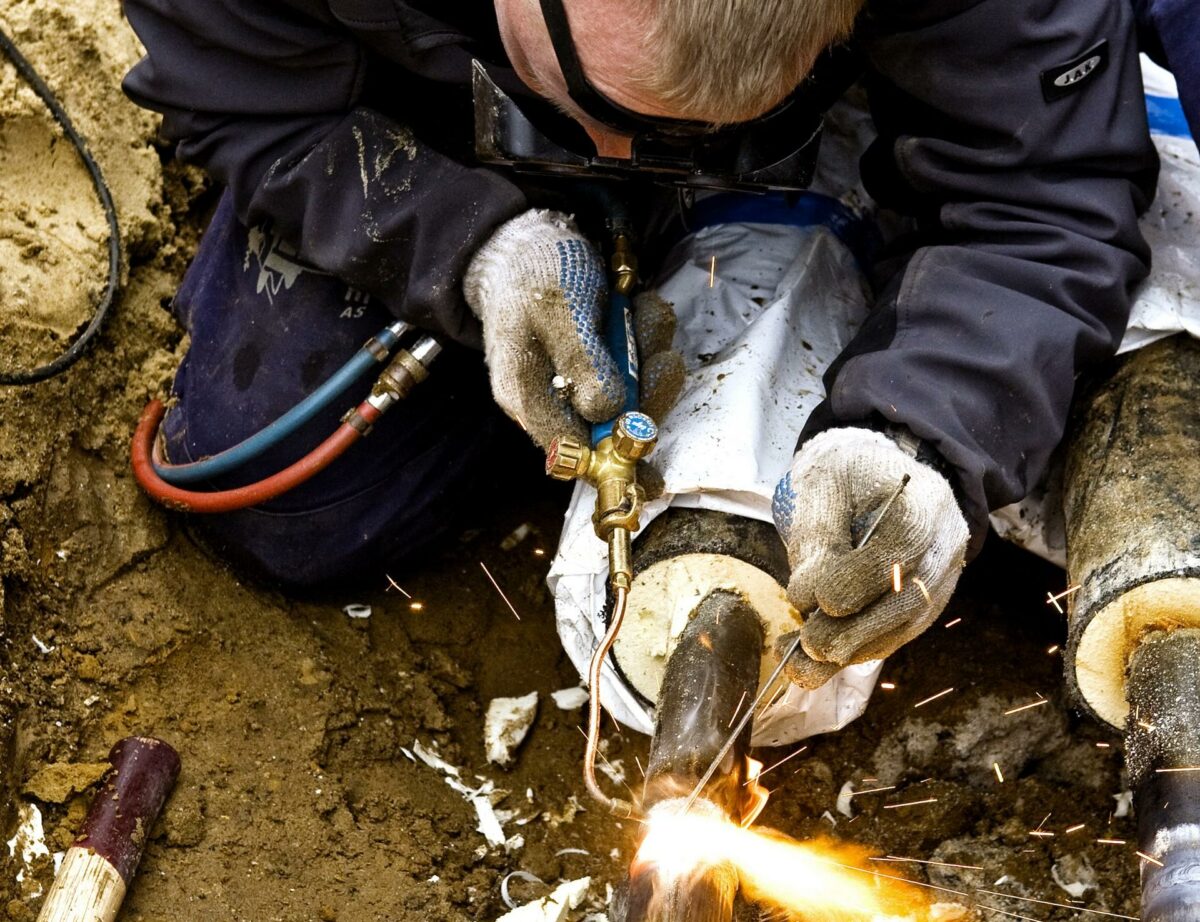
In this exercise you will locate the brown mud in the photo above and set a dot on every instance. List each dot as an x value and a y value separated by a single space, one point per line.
298 799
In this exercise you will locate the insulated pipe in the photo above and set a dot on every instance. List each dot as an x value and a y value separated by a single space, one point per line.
1131 498
1162 746
711 677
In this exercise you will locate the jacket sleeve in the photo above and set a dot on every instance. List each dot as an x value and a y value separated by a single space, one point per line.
1018 275
265 96
1170 32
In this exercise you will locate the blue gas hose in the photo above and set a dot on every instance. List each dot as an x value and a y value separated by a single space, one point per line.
375 351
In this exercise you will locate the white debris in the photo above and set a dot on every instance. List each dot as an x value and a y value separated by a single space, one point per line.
433 760
519 875
1124 804
843 799
829 816
614 769
514 843
41 646
507 722
29 841
516 536
355 610
568 699
1075 875
480 798
554 907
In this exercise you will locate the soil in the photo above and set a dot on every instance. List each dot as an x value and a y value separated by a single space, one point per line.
298 798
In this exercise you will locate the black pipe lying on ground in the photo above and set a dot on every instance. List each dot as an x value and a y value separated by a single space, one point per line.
712 674
1163 755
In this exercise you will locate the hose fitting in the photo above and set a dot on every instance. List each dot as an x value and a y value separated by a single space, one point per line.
407 369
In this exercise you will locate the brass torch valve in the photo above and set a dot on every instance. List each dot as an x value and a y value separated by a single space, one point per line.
624 265
610 467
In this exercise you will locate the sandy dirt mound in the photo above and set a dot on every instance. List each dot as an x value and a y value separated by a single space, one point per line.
298 798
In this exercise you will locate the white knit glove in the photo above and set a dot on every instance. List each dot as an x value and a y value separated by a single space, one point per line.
538 287
838 482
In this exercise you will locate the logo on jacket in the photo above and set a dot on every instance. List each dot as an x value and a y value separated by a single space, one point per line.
1064 79
278 263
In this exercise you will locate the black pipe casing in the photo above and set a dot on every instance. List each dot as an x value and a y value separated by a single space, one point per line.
1162 734
711 677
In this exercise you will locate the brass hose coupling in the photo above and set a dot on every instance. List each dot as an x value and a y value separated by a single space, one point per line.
610 467
408 368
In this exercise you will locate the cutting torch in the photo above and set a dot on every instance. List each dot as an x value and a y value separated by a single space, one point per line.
609 464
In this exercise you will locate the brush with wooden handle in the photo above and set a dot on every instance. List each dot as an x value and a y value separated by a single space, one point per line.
97 869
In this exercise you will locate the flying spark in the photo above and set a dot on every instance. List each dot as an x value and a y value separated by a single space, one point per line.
492 579
999 774
1151 860
1075 828
1164 771
938 864
417 606
888 686
944 691
911 803
712 272
1026 707
1052 599
781 761
1053 650
736 711
897 579
1029 899
1111 842
392 584
890 787
1011 915
951 624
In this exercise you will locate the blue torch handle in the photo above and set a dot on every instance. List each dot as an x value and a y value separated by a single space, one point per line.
618 336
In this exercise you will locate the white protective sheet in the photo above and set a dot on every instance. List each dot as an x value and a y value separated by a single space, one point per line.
783 303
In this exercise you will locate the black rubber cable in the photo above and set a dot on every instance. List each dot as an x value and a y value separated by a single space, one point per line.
79 346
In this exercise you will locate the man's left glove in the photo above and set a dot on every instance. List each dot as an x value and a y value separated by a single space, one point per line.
538 287
838 483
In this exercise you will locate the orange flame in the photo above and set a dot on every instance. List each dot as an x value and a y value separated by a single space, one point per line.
816 881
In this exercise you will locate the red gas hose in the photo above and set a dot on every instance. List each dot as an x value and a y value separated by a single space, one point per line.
242 497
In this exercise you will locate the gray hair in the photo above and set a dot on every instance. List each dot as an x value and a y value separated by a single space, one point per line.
725 61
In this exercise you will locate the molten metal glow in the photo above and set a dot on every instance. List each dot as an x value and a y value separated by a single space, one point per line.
818 882
756 794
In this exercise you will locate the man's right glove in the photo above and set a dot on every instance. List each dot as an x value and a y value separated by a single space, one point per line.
538 287
837 485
